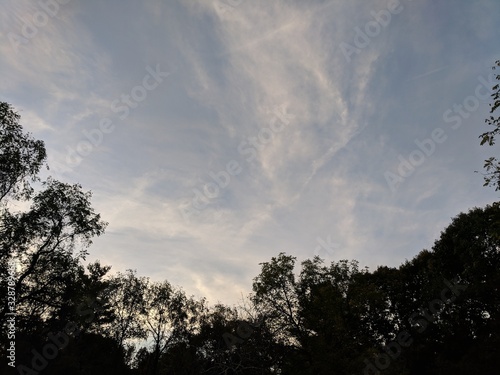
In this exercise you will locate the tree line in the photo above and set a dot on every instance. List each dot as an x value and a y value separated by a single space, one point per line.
438 313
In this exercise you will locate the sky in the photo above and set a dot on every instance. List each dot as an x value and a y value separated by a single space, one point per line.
216 134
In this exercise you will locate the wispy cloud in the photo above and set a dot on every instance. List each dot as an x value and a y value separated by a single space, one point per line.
318 174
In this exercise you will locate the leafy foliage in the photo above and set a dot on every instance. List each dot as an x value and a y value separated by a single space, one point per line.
21 157
492 165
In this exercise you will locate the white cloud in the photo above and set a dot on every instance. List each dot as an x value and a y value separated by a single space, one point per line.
321 176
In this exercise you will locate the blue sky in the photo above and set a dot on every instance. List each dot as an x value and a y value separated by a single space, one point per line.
215 134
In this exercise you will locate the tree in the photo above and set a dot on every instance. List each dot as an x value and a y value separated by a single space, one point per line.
42 247
339 305
21 157
167 316
492 164
127 301
275 296
42 240
317 321
468 252
231 341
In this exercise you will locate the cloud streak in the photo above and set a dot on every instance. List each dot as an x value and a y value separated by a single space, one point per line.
321 176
